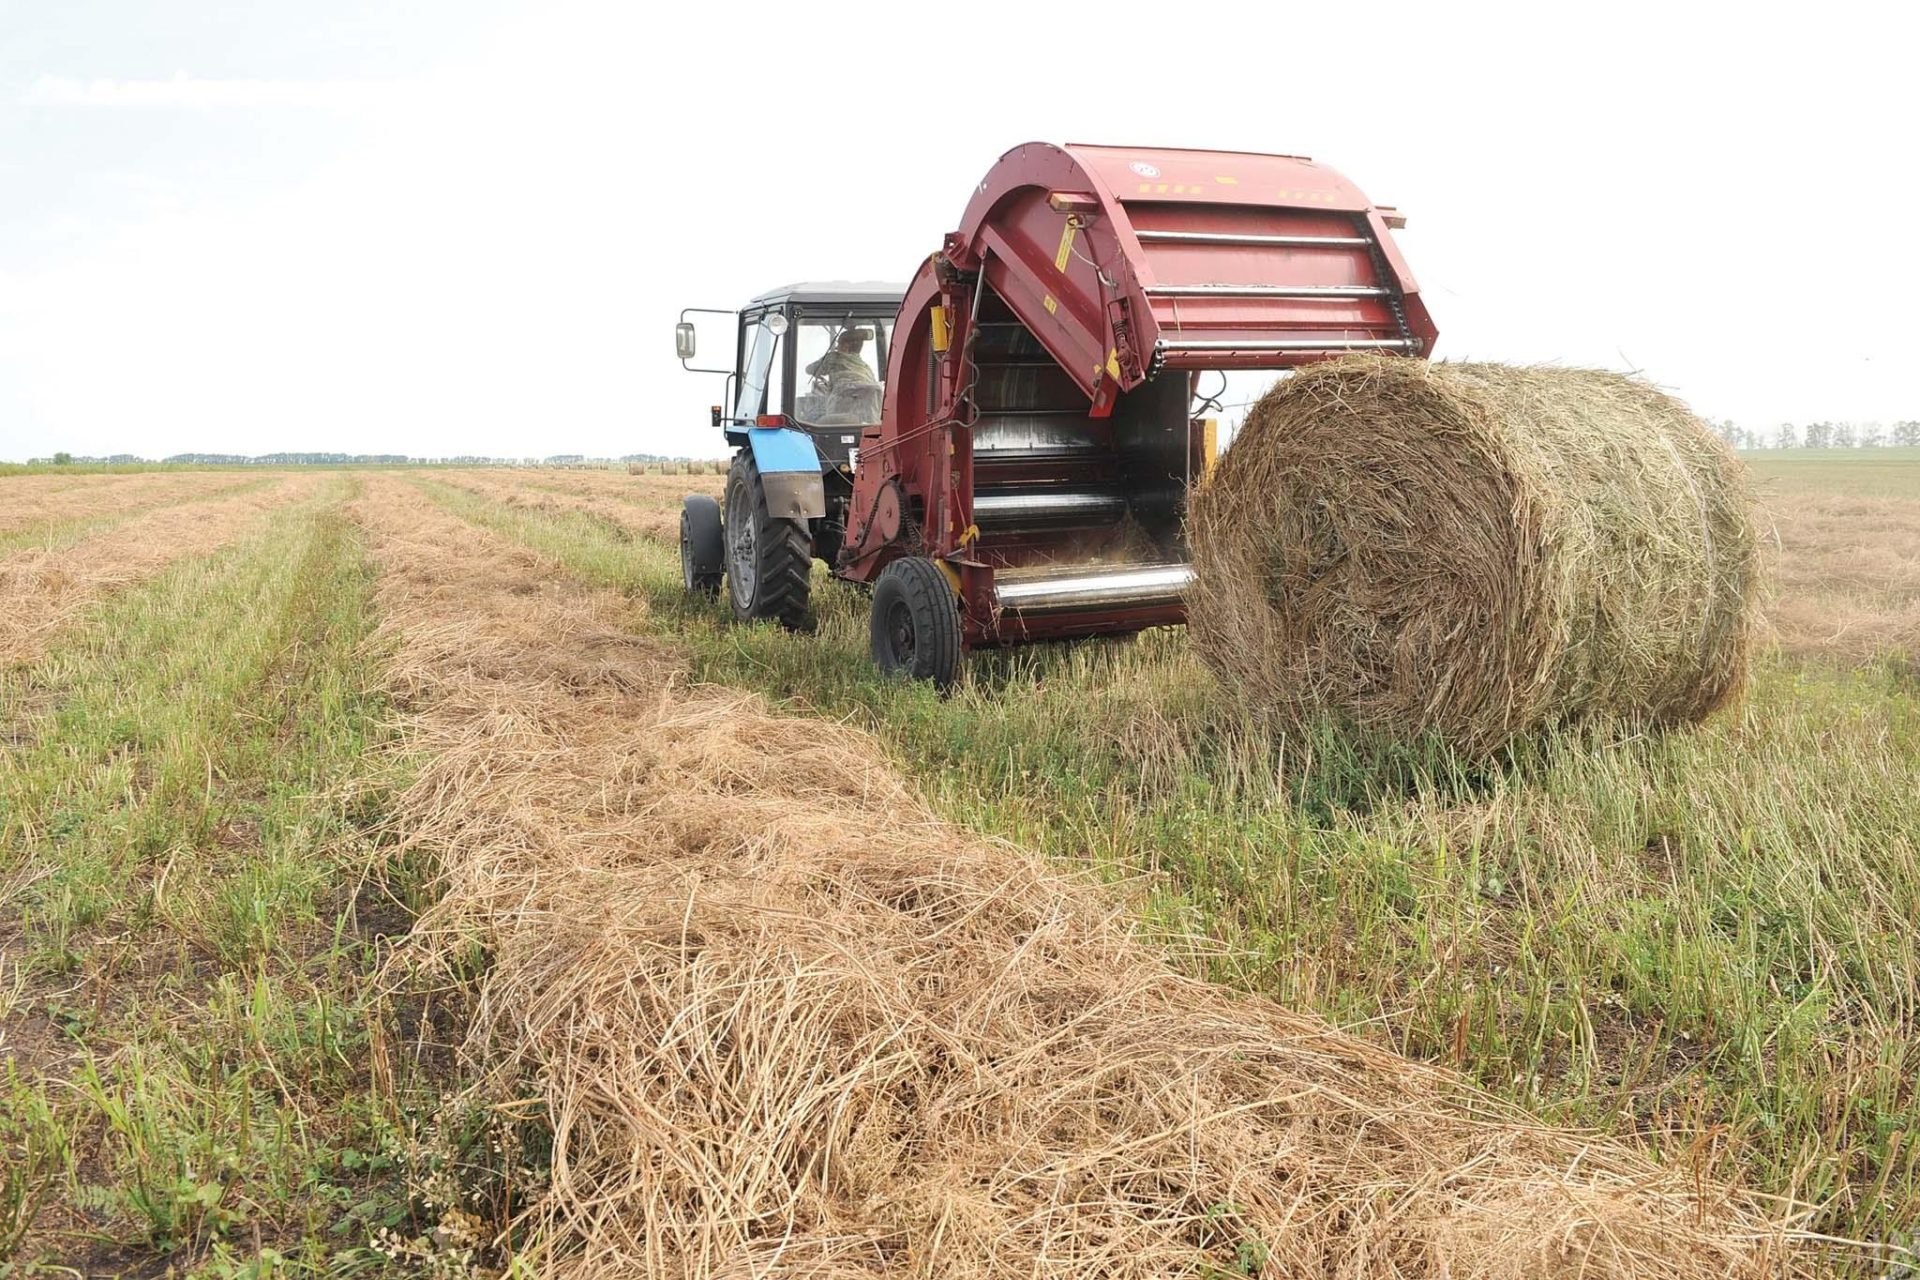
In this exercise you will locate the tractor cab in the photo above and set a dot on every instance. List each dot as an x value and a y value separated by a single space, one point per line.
808 376
807 357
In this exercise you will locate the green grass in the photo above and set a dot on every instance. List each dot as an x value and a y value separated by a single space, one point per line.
79 469
1888 473
94 468
187 958
1704 937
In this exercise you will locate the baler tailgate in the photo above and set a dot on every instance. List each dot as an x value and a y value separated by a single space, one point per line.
1246 286
1125 261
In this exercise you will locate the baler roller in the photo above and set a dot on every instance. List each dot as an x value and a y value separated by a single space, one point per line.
1083 588
1041 508
1030 434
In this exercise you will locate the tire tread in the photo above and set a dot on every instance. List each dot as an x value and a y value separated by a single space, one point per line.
930 597
784 587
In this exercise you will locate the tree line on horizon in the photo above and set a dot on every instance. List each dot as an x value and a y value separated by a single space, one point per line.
1821 435
64 459
1815 435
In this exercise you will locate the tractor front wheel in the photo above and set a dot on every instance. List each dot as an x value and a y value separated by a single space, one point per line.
703 547
769 559
915 625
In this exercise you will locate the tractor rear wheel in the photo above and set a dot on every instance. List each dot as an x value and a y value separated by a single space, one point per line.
915 624
769 560
703 548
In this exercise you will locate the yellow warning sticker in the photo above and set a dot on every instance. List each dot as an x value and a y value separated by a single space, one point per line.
1067 234
1051 306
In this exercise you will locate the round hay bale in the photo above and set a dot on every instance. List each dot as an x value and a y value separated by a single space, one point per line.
1474 550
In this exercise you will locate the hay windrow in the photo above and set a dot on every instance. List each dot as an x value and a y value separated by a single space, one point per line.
47 499
621 501
1474 550
45 589
785 1022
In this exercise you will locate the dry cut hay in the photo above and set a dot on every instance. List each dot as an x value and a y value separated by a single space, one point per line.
1847 575
786 1023
53 500
649 512
1475 550
42 589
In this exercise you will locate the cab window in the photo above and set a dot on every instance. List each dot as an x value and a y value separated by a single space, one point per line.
763 383
839 366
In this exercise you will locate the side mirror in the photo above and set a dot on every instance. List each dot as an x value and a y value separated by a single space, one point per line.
683 339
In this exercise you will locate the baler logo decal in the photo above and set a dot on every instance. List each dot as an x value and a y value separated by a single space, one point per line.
1144 169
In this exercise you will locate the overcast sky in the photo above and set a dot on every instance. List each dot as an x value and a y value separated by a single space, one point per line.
467 226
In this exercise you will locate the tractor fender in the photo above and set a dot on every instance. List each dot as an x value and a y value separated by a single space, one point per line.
790 475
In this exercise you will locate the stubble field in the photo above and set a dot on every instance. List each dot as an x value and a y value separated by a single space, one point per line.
318 793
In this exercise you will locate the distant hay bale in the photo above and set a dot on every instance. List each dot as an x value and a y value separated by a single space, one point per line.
1474 550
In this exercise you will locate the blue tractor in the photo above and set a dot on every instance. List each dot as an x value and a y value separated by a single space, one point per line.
809 370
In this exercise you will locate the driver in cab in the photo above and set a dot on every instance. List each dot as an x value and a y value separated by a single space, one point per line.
843 367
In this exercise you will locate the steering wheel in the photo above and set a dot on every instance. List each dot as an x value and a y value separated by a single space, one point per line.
823 383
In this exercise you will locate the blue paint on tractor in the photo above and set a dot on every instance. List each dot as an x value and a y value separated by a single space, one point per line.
778 449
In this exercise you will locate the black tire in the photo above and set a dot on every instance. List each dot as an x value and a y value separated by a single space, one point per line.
703 549
769 561
915 623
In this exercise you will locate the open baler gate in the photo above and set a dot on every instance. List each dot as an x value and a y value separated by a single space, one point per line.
1039 438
